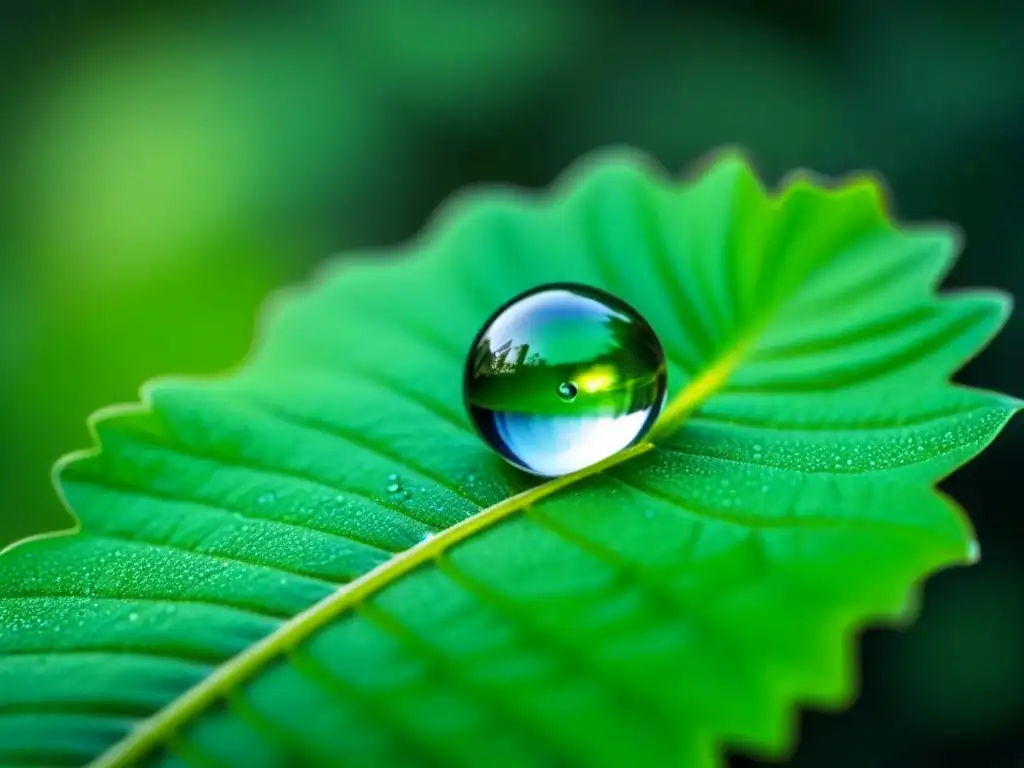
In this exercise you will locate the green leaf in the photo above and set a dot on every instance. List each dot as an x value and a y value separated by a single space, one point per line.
246 590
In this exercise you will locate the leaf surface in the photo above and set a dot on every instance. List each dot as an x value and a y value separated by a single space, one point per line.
315 560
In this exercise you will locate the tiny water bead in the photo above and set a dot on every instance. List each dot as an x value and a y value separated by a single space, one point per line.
563 376
567 390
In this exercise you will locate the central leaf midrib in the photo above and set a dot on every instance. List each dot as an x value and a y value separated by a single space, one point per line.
241 667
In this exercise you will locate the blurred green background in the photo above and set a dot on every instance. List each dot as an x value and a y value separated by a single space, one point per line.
163 168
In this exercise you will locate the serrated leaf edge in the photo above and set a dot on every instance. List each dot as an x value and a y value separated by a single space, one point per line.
160 726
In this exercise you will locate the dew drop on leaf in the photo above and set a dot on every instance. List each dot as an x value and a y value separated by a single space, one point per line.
568 390
563 376
394 488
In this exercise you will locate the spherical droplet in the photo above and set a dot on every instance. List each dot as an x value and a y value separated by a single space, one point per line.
562 377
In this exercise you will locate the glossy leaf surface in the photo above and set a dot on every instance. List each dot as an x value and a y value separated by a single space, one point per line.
315 560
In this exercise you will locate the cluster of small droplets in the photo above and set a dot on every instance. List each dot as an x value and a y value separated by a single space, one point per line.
843 449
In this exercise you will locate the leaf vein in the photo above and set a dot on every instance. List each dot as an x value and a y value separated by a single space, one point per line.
573 656
362 442
216 510
650 222
289 475
167 721
201 663
222 559
170 599
450 670
864 425
338 688
756 523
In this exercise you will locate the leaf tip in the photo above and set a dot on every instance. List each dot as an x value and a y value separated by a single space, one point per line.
726 155
973 554
600 164
731 162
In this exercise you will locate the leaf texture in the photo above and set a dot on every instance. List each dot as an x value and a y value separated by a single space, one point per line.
247 586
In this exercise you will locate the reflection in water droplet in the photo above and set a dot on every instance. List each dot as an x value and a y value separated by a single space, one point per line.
567 390
562 377
394 488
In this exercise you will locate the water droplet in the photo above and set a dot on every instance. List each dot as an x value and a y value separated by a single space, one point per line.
393 477
471 478
562 377
394 488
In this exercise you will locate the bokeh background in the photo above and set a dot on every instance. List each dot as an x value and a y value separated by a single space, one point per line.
164 166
